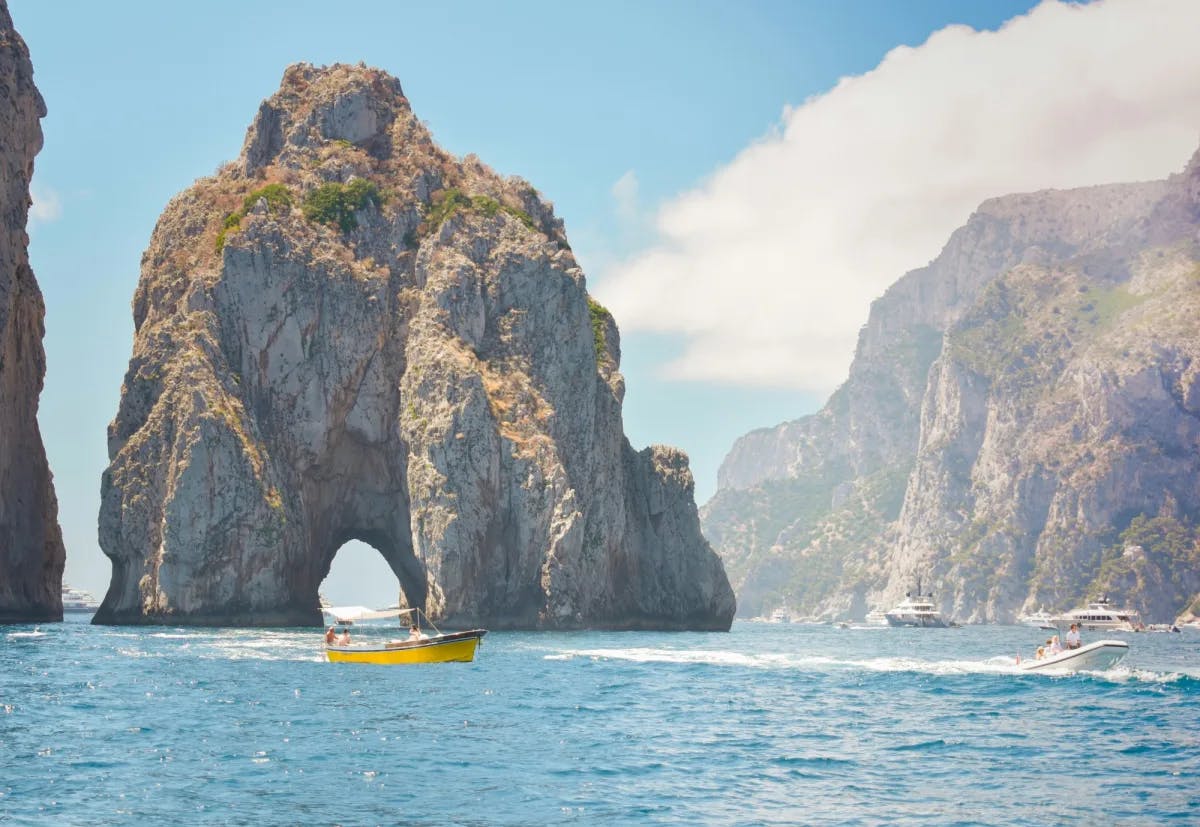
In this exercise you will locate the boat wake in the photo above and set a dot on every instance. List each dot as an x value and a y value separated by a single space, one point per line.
996 665
19 635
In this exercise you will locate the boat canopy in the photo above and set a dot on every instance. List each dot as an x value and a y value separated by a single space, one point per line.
356 614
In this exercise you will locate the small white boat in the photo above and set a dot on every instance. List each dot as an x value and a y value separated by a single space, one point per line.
1095 657
1102 616
781 615
876 617
1041 619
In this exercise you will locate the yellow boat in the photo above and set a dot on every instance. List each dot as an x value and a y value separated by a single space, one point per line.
457 646
439 648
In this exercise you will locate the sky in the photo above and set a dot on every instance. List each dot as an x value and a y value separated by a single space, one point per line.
738 179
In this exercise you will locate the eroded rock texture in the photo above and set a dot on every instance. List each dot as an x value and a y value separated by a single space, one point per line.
1019 428
31 548
349 334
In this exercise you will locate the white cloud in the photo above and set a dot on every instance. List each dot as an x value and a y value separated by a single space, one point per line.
46 206
625 194
768 268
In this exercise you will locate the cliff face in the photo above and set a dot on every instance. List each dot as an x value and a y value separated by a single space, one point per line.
31 548
1003 428
349 334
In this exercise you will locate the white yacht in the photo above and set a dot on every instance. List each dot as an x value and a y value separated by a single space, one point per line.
1101 615
1041 619
781 615
876 617
77 601
917 611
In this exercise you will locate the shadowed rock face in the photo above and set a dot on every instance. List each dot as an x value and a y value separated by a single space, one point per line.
409 360
31 548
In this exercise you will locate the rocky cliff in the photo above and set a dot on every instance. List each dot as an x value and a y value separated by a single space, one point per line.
31 548
1016 414
348 333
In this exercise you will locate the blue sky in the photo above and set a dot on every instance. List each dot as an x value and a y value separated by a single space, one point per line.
144 97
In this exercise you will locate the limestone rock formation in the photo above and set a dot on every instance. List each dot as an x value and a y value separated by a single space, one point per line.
349 334
1018 416
31 548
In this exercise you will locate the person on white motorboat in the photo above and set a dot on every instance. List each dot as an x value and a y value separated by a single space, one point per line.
1073 641
1055 646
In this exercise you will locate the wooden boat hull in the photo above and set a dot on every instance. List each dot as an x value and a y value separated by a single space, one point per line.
455 647
1095 657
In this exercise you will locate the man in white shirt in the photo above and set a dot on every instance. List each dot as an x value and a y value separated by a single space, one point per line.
1073 641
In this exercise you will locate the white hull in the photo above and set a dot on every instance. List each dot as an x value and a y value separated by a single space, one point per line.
1095 657
924 621
1037 620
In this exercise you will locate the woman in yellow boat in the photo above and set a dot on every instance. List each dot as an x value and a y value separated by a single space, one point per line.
344 640
416 634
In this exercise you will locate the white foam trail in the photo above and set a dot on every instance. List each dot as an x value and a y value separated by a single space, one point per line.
787 661
34 633
995 665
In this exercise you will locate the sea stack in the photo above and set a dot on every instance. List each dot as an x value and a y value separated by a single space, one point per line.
348 333
31 547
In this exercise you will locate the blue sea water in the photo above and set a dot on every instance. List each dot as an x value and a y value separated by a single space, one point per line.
769 724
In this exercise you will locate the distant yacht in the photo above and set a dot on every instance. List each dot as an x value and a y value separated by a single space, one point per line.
876 617
1041 619
1101 615
77 601
781 615
917 611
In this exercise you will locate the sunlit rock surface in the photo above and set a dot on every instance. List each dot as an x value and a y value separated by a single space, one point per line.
411 360
1020 415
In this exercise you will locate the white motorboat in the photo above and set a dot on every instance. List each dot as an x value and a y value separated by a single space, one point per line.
916 611
876 617
77 601
1095 657
1102 616
1041 619
781 615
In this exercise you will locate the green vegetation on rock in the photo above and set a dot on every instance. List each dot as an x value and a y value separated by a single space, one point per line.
600 317
447 202
337 204
279 201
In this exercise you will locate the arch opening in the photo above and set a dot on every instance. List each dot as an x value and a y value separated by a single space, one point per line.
360 574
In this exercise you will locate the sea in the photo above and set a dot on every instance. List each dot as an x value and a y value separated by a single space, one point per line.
767 724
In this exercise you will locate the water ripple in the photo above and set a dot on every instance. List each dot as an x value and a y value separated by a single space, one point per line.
765 725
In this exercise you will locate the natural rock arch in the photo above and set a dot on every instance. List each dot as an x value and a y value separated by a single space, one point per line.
349 333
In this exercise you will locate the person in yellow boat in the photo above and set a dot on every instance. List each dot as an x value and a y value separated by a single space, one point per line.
330 636
344 640
416 634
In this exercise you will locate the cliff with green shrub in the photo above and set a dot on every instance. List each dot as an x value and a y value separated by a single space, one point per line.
1020 427
348 333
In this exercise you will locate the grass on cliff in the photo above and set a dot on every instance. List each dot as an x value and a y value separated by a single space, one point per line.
279 201
600 317
336 204
447 202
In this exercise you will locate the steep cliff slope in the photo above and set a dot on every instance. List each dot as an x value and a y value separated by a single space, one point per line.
349 334
961 370
31 548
